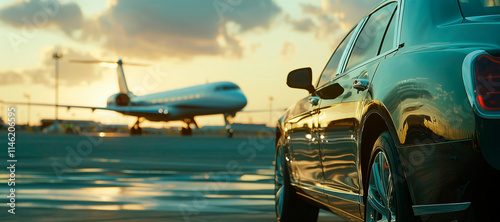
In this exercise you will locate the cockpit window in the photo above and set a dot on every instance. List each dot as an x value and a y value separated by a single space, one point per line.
480 7
226 87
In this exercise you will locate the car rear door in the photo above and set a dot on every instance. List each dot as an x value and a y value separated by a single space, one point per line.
339 118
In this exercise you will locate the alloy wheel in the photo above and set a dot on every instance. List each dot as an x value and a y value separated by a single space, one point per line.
381 206
279 184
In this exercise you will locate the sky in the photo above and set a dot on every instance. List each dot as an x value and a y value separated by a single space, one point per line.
253 43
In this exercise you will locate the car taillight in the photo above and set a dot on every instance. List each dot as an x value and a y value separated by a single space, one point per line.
487 78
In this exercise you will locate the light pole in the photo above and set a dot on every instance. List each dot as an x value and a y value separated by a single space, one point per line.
27 95
271 110
1 109
57 56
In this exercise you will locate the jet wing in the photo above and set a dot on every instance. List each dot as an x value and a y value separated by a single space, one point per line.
261 110
122 109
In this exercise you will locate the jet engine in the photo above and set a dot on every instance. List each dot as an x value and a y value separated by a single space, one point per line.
119 99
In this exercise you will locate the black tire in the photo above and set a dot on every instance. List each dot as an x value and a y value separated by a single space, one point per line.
229 133
386 166
288 205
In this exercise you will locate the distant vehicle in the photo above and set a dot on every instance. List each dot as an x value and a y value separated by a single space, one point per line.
70 126
403 123
176 105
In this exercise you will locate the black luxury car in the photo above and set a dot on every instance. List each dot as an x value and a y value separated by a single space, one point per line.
403 121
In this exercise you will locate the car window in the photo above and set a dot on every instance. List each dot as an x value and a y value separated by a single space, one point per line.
480 7
388 41
368 43
331 68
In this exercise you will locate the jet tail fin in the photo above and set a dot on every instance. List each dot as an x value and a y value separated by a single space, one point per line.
122 82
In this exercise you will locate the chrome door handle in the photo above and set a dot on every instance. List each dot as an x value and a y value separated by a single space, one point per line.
314 100
360 84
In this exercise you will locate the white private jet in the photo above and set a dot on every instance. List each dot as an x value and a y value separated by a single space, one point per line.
176 105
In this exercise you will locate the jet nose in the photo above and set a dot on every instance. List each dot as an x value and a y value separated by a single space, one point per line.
240 100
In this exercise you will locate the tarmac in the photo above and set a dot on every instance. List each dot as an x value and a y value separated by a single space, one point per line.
118 177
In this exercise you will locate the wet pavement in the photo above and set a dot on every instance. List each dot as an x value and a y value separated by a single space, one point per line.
146 178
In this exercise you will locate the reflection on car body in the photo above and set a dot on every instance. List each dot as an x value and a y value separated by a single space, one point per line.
401 124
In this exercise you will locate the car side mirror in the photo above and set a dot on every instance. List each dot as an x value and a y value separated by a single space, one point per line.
301 79
331 91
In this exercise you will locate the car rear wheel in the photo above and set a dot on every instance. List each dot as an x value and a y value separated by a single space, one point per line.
289 206
387 198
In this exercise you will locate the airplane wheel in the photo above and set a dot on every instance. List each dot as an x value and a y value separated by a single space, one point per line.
230 134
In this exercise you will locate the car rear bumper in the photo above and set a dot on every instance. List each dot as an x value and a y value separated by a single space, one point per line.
451 181
488 135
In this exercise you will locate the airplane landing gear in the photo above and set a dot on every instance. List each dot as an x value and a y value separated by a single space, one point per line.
136 129
228 120
188 131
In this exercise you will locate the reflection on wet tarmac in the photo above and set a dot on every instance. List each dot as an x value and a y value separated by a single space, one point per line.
185 178
125 190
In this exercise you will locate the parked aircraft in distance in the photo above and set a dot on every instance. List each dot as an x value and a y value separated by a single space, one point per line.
175 105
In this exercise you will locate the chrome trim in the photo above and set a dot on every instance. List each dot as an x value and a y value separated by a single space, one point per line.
356 198
308 187
434 143
400 23
419 210
467 76
482 18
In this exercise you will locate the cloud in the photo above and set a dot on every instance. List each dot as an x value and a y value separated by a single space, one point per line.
182 29
10 78
159 28
43 14
252 14
348 11
151 28
70 74
332 19
303 25
288 49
